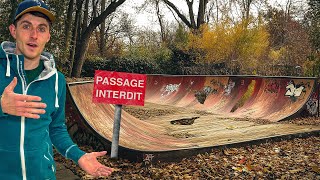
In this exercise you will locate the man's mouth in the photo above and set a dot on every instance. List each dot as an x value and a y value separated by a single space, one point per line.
32 45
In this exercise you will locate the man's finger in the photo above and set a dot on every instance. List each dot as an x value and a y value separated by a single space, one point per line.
21 105
101 153
28 115
21 97
12 85
105 170
32 110
39 105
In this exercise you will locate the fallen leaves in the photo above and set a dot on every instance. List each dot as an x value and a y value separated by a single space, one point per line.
297 158
316 169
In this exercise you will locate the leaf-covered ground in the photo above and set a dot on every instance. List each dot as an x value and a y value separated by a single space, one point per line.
297 158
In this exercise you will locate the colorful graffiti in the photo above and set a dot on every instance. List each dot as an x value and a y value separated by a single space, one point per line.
234 93
228 88
147 158
312 104
295 90
170 88
204 93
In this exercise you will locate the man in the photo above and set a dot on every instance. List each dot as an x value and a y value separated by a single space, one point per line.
32 108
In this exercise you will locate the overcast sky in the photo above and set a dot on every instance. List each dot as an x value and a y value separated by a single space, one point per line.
148 19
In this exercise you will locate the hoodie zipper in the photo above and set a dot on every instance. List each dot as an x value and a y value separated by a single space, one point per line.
25 88
22 129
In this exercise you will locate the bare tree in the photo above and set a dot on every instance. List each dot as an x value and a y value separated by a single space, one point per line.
189 20
83 40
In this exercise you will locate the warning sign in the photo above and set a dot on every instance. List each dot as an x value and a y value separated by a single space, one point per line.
119 88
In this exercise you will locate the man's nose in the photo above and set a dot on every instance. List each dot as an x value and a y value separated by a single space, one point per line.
34 33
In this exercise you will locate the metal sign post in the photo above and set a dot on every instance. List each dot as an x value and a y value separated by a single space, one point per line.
116 131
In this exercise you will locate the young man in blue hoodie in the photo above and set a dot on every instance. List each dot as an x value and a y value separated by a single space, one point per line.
32 108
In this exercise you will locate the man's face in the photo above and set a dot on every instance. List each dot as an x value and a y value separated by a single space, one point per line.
31 34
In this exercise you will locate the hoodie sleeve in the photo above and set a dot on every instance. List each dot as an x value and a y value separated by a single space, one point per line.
58 130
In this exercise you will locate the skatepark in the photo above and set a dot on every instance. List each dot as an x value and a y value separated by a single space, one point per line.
186 115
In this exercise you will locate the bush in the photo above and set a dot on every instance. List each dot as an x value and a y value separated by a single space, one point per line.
120 65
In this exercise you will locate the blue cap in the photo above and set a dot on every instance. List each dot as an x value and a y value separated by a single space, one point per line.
33 5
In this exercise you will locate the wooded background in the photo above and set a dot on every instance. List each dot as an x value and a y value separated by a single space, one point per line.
255 37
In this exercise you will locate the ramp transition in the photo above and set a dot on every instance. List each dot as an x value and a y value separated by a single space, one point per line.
223 110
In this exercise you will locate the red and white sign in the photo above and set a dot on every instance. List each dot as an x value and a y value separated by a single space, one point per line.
119 88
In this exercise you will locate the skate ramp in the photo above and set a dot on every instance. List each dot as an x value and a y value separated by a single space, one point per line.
228 107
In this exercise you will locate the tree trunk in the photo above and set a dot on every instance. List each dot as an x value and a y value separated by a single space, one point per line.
201 13
75 37
103 29
180 15
85 16
160 19
68 36
67 33
191 14
246 11
81 48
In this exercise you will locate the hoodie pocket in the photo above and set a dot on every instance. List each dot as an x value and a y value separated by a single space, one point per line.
10 166
48 167
40 165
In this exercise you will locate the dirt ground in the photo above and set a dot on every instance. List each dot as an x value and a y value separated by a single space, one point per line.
297 158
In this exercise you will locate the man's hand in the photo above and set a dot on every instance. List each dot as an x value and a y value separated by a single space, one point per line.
91 165
21 105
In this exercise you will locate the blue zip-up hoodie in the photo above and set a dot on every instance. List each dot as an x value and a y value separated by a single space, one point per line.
26 144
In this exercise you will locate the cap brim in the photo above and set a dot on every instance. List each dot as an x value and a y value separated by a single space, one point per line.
37 9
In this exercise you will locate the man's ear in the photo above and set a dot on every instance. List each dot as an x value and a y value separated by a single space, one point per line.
12 29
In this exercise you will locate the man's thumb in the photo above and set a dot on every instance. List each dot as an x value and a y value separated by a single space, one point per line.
12 85
101 153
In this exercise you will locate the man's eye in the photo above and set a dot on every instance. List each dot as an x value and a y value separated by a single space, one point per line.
26 26
42 29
